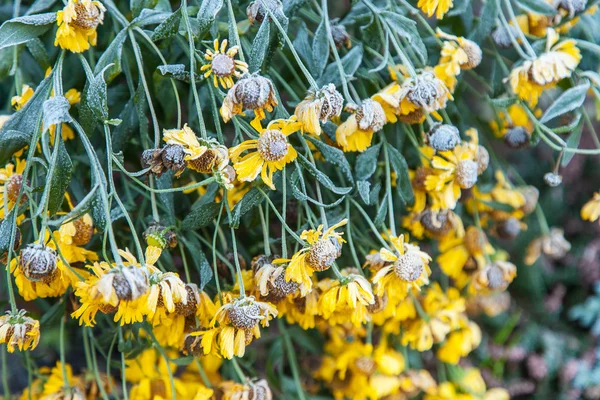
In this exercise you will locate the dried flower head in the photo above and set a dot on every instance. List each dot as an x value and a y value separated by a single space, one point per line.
436 223
38 263
496 276
321 105
223 66
340 34
517 137
426 91
251 92
323 254
572 6
370 116
270 279
509 228
553 180
188 306
257 10
160 236
19 331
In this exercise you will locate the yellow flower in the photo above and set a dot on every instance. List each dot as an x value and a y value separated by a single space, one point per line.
553 245
187 138
406 268
19 331
55 385
437 7
459 343
320 105
591 210
11 182
458 251
272 151
322 251
223 66
347 299
530 79
356 133
457 53
77 24
19 101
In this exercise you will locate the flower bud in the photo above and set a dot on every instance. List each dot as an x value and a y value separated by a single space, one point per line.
257 10
552 179
172 156
466 173
340 35
159 236
443 137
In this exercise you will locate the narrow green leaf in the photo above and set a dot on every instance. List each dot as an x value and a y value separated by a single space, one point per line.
23 29
364 188
351 61
366 163
334 156
112 55
201 216
56 111
569 100
572 143
381 212
321 177
61 177
406 28
320 49
168 27
250 200
487 21
403 179
537 7
260 46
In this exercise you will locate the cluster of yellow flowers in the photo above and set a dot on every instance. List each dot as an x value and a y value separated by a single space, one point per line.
402 296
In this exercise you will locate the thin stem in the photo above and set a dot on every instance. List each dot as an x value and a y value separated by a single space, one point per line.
233 30
284 211
236 260
515 23
336 55
265 230
292 359
388 188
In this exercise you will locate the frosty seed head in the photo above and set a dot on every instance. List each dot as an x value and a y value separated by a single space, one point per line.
427 91
552 179
531 194
516 138
279 288
436 223
475 240
84 230
258 391
473 52
244 314
495 277
207 161
483 159
129 283
272 145
340 35
253 92
443 137
323 254
466 173
38 263
409 267
89 16
223 65
509 228
191 305
257 10
370 116
501 36
13 186
572 6
173 157
333 102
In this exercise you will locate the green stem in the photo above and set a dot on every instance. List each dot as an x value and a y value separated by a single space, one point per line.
292 359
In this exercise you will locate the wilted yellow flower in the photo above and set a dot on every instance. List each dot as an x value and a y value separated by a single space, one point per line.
346 300
77 24
356 133
271 151
530 79
251 92
19 101
591 210
223 67
437 7
460 343
19 331
553 245
319 106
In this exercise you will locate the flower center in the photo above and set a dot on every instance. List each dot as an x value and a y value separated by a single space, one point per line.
223 65
88 17
244 316
323 254
466 173
13 187
272 145
409 267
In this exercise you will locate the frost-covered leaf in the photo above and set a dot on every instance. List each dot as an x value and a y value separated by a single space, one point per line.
351 61
22 29
321 177
366 162
56 110
537 7
201 216
569 100
402 178
320 49
334 156
168 27
260 46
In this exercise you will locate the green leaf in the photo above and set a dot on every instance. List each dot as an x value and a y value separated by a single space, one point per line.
321 177
40 5
168 27
94 104
487 21
112 55
137 6
165 181
351 61
537 7
18 130
403 179
572 143
334 156
302 45
201 216
320 49
6 226
372 33
38 51
364 188
366 163
61 177
250 200
503 102
56 111
6 61
569 100
406 28
177 71
209 9
260 46
381 212
23 29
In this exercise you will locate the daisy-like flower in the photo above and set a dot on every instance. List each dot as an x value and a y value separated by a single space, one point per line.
437 7
319 106
78 232
111 288
356 133
405 268
460 343
459 251
270 279
553 245
77 24
166 290
495 276
320 254
347 298
19 101
251 92
269 153
426 91
457 54
11 182
19 331
530 79
223 66
239 322
591 210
